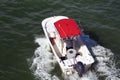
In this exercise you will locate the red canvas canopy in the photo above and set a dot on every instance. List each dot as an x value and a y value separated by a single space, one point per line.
67 28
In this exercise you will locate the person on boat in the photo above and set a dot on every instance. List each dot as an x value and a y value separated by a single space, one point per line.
73 44
69 43
52 37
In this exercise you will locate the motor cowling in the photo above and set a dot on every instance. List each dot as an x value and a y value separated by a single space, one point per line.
80 68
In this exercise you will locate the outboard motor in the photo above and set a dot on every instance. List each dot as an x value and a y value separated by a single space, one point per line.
80 68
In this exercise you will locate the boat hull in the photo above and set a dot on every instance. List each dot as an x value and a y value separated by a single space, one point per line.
84 59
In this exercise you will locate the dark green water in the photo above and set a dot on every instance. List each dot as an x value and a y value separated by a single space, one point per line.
20 22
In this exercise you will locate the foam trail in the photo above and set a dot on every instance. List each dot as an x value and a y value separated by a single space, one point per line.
106 65
43 61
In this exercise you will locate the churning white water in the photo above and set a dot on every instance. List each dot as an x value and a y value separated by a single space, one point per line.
106 66
44 60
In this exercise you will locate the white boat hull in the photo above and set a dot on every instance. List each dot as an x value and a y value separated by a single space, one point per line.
67 65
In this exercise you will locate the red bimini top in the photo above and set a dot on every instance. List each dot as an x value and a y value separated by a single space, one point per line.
67 28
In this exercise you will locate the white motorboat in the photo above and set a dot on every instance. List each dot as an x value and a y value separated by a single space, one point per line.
64 37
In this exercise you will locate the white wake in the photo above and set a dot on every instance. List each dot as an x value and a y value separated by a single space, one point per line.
43 61
43 64
106 66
